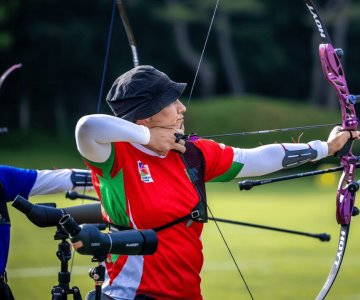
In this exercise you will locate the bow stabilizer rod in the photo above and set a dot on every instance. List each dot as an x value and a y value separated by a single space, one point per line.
248 184
323 237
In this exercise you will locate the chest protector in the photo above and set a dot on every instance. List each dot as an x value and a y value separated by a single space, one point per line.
195 168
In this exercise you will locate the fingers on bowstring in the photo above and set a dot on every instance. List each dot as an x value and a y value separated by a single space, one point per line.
179 144
179 147
177 137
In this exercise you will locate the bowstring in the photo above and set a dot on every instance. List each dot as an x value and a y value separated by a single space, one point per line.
203 51
106 58
231 254
188 101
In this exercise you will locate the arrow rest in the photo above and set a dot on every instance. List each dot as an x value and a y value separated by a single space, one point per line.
192 137
339 52
353 99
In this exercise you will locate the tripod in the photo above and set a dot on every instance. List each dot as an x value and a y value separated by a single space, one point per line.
62 290
98 274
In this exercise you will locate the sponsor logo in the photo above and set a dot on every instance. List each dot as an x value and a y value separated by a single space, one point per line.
317 21
132 245
341 248
144 171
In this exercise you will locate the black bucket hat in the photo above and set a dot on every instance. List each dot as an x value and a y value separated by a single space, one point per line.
142 92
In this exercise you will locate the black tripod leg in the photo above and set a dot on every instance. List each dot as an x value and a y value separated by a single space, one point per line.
58 293
76 293
98 292
98 274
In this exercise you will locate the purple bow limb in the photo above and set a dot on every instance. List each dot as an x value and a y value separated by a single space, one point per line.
345 198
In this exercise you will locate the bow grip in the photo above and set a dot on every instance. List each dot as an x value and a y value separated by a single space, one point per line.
344 150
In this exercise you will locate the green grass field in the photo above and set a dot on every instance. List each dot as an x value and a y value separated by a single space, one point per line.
276 265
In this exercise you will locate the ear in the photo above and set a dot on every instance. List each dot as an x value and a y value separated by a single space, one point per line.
144 122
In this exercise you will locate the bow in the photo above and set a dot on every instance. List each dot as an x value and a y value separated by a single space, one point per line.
345 199
8 72
2 79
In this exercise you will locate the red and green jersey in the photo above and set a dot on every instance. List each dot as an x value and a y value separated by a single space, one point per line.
142 190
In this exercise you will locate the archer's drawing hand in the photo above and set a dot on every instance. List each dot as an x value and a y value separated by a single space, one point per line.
162 140
338 138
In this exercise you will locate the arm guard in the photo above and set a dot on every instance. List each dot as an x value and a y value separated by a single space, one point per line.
294 158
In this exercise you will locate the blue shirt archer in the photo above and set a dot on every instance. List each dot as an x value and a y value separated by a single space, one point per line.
13 182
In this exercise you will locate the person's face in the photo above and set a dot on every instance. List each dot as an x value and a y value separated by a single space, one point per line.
171 116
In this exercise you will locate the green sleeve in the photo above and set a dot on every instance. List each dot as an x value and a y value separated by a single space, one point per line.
230 174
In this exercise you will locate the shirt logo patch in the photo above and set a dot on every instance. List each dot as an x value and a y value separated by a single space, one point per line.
144 171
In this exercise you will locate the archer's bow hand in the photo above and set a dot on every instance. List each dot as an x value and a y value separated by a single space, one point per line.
339 137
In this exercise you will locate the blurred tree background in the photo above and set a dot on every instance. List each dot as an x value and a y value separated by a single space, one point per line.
262 47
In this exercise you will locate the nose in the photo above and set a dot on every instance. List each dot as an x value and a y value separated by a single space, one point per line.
181 108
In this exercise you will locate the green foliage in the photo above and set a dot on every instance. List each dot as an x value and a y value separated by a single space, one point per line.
243 7
250 113
5 40
6 13
62 47
200 12
177 11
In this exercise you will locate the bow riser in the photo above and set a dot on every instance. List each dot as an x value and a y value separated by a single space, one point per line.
334 73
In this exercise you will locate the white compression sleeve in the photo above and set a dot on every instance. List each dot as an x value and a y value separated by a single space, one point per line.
95 133
52 182
267 159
